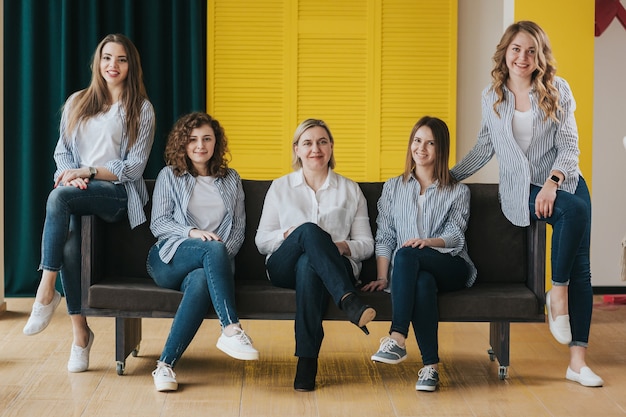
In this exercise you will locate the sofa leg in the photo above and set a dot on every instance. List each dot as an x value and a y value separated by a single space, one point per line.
127 339
499 338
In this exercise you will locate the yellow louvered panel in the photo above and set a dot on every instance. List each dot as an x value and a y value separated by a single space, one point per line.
331 86
332 75
418 47
246 55
370 69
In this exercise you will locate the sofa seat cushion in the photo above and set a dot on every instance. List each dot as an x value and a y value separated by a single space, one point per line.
134 295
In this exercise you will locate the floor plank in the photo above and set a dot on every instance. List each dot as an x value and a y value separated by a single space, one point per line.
35 380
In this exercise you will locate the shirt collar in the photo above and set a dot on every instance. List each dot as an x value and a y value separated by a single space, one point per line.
331 179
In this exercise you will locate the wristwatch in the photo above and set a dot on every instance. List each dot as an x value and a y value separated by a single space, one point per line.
555 179
92 172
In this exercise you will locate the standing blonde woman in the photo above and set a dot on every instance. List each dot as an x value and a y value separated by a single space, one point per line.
528 122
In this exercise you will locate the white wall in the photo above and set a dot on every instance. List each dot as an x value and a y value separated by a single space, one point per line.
481 24
609 156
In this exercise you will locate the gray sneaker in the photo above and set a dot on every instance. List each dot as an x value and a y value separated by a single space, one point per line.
389 352
427 379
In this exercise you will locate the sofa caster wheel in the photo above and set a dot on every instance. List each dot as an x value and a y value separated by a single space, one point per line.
120 368
502 372
135 352
492 355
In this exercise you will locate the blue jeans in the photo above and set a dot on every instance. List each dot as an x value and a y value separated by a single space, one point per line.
202 271
417 276
571 239
309 262
60 241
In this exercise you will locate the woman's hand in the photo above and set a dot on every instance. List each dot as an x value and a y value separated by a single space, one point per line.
544 202
78 177
203 234
378 285
344 249
417 243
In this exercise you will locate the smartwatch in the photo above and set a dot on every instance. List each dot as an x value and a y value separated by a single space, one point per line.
92 172
555 179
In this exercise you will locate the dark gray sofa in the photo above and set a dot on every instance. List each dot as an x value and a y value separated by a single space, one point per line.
510 286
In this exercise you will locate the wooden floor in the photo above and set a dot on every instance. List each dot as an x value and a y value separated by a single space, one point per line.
34 380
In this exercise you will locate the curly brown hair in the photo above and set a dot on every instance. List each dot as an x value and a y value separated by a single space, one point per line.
542 77
178 138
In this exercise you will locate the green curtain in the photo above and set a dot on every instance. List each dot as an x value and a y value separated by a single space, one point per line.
48 47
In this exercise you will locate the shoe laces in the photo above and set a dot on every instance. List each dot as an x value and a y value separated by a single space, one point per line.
164 370
242 337
387 344
426 373
38 309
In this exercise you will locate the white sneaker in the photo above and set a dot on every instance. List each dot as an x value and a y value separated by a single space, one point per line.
41 315
586 377
79 357
239 346
164 378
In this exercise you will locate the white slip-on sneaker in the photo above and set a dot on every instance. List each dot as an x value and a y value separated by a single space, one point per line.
586 377
79 357
41 315
559 325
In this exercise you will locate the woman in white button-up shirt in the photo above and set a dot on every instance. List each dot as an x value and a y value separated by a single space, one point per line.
528 122
422 218
315 232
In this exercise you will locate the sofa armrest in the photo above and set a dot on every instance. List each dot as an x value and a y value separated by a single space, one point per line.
537 261
91 255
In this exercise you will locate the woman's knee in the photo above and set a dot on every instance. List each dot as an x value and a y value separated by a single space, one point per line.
309 229
57 199
195 282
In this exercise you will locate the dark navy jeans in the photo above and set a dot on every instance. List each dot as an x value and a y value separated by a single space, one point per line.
60 241
417 276
571 239
309 262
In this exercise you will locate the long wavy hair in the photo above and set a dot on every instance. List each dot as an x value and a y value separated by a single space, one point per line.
96 98
178 138
441 134
543 76
296 162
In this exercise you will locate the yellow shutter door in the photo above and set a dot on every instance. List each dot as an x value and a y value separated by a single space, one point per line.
370 69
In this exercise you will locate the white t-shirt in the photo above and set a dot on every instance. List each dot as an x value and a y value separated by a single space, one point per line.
523 128
206 207
99 138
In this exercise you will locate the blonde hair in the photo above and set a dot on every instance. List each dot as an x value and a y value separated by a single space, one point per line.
543 76
296 163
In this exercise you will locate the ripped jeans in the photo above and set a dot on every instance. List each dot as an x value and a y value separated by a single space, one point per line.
202 271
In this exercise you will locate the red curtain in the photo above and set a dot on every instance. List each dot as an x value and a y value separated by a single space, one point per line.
606 11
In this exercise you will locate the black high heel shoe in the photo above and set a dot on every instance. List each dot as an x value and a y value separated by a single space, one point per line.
306 372
359 314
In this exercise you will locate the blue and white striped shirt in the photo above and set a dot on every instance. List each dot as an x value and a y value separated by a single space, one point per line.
171 221
554 146
445 215
129 169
